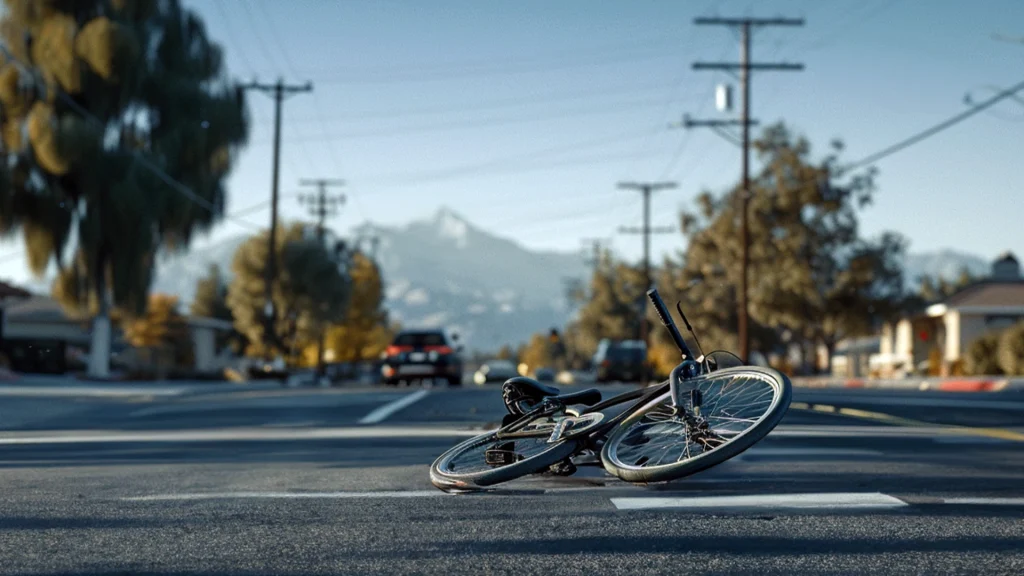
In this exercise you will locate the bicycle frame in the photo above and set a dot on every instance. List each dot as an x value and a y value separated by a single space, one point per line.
685 370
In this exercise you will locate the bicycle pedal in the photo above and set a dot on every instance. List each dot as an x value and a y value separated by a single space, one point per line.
562 468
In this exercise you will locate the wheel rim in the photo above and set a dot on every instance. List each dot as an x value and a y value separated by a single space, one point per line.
470 459
733 405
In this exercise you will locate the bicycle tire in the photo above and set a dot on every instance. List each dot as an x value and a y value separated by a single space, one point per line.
732 448
441 478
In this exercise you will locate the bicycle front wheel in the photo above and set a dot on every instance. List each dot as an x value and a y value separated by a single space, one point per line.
740 405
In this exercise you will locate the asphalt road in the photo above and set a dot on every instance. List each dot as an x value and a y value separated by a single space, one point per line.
230 480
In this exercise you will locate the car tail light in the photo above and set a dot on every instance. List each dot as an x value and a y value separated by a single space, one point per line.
396 350
439 349
606 363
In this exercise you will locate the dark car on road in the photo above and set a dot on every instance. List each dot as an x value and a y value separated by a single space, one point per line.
420 355
620 360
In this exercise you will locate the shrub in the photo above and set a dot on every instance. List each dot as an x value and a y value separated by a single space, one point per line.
1011 350
982 356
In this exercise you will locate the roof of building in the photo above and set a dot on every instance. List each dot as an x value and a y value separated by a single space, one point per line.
989 294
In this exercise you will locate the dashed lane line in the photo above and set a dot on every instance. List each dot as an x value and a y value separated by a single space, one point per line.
381 413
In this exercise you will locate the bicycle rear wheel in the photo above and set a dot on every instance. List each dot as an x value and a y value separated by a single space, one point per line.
653 444
465 466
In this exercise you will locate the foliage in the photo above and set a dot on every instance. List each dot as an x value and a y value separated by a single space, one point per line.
938 289
613 311
364 332
981 357
312 288
538 352
161 327
1011 350
811 274
506 353
211 301
98 91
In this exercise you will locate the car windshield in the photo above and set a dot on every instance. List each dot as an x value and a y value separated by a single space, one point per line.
420 339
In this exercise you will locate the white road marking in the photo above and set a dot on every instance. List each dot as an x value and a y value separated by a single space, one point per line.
800 501
91 436
757 452
390 408
83 391
286 495
986 501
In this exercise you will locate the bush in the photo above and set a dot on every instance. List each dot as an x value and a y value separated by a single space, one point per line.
1011 350
982 356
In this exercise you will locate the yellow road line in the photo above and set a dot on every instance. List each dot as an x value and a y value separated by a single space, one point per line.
1000 433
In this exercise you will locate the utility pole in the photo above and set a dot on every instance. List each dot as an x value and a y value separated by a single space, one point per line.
321 205
596 246
745 67
278 91
646 188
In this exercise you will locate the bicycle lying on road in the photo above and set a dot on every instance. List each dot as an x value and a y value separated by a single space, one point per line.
711 409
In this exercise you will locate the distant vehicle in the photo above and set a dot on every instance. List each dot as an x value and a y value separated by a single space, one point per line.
621 360
418 355
544 375
495 371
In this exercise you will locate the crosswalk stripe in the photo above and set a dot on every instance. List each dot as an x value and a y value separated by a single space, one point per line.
800 501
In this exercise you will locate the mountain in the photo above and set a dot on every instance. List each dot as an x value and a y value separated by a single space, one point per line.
445 272
439 272
943 263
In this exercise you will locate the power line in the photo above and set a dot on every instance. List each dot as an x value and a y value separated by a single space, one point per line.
872 158
470 124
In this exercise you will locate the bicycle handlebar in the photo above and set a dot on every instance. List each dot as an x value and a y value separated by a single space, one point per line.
666 319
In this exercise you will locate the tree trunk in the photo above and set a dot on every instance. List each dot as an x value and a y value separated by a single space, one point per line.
830 348
99 352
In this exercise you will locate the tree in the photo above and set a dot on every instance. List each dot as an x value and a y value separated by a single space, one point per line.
811 274
364 331
161 328
617 293
211 301
101 101
982 356
312 287
938 289
537 352
1011 350
506 353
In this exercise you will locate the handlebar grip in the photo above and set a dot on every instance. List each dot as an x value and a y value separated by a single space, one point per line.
666 319
659 307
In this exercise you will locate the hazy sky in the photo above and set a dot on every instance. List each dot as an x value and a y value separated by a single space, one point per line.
522 116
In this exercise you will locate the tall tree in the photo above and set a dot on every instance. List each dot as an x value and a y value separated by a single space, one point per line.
95 94
313 286
811 273
211 301
617 295
364 331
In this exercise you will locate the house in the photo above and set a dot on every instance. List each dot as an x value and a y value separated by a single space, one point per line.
934 340
39 336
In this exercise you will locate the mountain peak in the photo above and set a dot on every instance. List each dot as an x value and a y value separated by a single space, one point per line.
450 224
